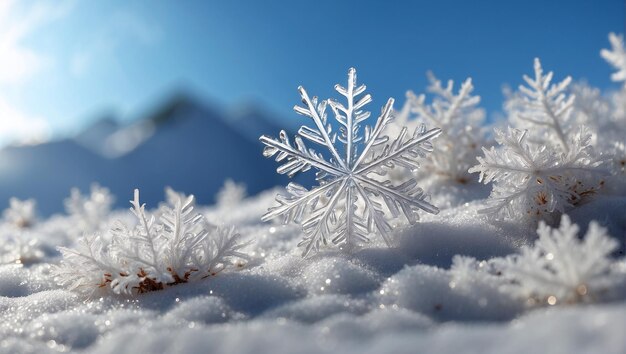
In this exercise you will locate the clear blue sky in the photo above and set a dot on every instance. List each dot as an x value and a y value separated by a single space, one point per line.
66 61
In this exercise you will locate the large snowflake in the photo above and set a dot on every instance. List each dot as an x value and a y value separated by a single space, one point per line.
352 200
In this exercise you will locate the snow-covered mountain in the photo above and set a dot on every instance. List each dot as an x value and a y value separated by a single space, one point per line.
185 144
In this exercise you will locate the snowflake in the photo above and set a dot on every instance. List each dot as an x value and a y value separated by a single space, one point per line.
151 255
537 180
349 203
616 57
562 268
460 120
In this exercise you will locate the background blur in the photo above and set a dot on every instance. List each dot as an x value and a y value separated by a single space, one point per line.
154 93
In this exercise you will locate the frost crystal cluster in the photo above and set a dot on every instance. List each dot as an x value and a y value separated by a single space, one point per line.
21 213
461 122
616 57
562 268
17 241
536 180
88 211
177 248
353 198
548 166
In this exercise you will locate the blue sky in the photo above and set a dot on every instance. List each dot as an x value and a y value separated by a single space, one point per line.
64 63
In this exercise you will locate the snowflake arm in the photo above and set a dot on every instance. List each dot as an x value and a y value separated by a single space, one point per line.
403 151
321 135
299 158
320 224
151 255
616 57
545 105
293 206
351 116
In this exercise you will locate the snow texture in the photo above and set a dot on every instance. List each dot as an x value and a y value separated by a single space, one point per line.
417 296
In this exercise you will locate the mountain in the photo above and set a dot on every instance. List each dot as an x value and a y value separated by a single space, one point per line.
182 143
193 149
94 136
47 172
252 121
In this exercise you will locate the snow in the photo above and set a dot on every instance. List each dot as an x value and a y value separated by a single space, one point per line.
414 297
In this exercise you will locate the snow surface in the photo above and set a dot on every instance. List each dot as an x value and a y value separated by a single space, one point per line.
404 299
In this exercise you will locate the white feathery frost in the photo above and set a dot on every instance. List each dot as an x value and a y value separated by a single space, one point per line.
154 254
561 268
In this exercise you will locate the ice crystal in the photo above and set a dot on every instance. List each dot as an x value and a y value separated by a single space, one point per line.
616 57
350 202
89 211
172 196
17 239
461 123
231 194
537 180
151 255
544 109
21 213
560 268
21 249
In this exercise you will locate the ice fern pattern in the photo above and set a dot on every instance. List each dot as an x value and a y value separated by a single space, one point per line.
353 199
560 268
537 180
152 255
